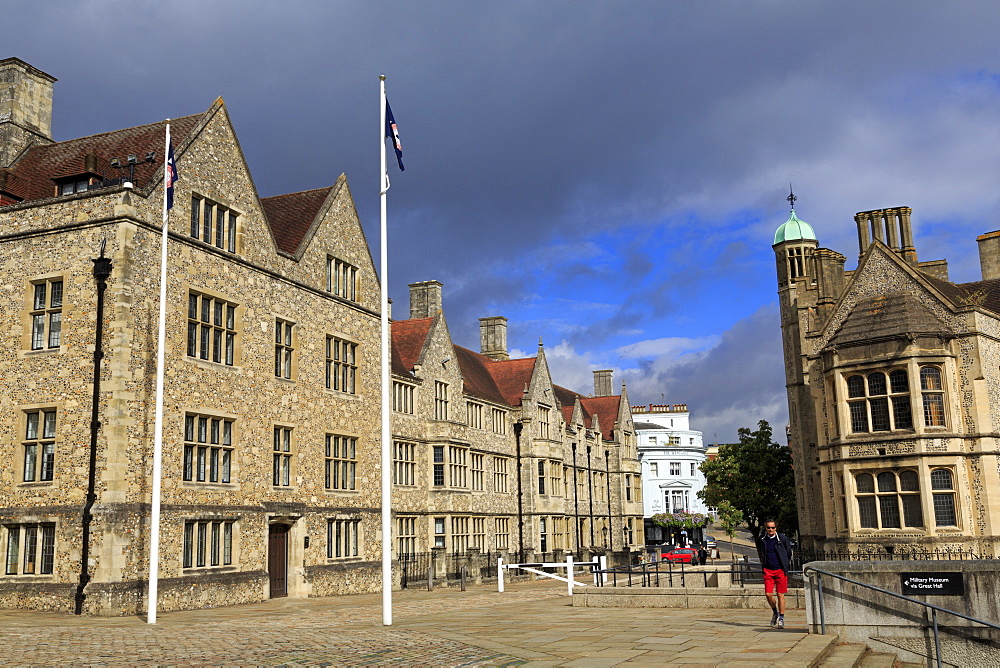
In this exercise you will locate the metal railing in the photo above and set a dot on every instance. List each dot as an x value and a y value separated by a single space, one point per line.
666 573
889 553
933 608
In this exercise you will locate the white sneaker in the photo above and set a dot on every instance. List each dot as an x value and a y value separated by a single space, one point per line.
781 622
774 619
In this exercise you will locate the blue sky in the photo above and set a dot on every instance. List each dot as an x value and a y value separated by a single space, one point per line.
608 175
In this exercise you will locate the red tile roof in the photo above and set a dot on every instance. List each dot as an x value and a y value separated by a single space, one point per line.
291 216
479 381
408 338
31 178
606 410
512 376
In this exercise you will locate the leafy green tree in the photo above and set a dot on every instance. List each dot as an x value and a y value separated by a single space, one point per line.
729 519
756 477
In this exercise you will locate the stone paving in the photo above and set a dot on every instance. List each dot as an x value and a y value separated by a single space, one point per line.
531 624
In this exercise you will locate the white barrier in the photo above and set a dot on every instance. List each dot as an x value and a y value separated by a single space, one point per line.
595 566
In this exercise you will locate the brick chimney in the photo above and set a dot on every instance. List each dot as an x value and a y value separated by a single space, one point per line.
989 254
425 299
25 108
602 383
493 337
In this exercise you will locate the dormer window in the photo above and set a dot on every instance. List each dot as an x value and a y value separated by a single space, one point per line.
76 184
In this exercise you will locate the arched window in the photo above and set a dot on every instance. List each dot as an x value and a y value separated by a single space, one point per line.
875 405
888 500
944 497
933 396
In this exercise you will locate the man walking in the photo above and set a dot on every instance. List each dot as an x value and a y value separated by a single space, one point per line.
775 552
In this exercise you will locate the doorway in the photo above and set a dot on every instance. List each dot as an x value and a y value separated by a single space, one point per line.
277 559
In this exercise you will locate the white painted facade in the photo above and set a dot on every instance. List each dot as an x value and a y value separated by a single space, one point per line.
671 454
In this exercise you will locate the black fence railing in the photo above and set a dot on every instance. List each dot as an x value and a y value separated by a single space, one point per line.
889 553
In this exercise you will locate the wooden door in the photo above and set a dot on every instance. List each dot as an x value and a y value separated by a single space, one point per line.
277 559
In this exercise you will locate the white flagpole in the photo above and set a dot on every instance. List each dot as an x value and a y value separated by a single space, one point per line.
386 426
154 520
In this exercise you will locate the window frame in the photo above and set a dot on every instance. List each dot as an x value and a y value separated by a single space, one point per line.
208 544
340 468
341 365
880 507
29 549
39 444
341 279
402 397
207 457
440 400
285 335
501 479
283 456
344 538
214 223
45 315
212 328
404 463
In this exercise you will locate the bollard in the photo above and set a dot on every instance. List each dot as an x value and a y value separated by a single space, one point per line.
463 576
569 572
430 579
500 574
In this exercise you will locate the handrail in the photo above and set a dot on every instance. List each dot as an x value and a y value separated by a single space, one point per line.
934 608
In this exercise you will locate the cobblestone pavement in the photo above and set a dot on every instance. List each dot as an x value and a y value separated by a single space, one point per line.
531 624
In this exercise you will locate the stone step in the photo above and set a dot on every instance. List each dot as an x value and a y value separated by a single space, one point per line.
877 660
842 655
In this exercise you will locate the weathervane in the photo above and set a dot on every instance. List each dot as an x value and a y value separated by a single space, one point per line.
791 196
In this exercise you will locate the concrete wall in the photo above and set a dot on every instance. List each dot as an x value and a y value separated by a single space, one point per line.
751 597
889 624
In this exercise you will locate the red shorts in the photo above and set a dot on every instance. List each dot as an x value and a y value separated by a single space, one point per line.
775 579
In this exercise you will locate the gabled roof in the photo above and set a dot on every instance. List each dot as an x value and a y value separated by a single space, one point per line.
985 294
31 177
606 409
476 375
891 315
512 376
291 216
408 339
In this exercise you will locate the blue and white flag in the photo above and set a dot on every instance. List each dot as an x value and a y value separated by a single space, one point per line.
170 175
392 132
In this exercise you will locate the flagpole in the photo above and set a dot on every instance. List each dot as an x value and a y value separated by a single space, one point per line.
154 520
386 427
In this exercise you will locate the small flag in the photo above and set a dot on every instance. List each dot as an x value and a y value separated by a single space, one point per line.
170 175
392 132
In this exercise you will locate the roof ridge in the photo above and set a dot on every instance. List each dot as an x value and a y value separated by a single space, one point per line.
111 132
300 192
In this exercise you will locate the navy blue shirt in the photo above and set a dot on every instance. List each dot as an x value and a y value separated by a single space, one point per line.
771 547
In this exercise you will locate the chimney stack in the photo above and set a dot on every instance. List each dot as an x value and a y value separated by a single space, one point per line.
602 383
25 108
425 299
493 337
989 254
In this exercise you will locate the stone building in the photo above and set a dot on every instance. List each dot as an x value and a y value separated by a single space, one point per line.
515 463
671 454
271 417
893 378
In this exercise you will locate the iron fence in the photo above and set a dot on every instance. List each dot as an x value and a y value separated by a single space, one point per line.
888 553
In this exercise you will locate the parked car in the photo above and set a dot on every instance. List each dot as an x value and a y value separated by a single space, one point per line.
710 542
684 555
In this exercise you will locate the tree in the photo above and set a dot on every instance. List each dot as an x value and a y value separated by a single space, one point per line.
729 519
756 477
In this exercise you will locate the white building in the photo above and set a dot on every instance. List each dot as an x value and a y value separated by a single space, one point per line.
671 454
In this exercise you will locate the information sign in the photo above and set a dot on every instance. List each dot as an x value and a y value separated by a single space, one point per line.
937 584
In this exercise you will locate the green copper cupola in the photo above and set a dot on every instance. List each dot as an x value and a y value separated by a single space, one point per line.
794 229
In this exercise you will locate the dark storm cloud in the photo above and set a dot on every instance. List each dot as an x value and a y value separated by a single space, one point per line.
663 135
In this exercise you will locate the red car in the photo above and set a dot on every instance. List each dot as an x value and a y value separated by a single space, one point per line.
684 555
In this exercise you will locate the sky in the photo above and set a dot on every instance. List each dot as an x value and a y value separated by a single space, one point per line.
607 175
